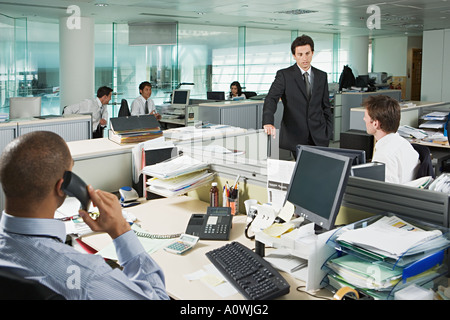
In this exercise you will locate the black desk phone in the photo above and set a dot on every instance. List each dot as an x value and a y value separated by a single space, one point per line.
74 186
214 225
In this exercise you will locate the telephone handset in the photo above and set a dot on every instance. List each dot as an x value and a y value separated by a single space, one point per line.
74 186
215 225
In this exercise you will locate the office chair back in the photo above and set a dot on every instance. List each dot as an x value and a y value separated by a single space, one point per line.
426 166
13 287
249 94
124 110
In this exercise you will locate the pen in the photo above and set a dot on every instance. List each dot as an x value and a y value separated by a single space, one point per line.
69 218
237 179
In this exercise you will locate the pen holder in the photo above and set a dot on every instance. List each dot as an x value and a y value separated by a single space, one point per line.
233 203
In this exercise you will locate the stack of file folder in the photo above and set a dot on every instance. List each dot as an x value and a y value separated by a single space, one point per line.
177 175
134 129
434 120
383 254
179 185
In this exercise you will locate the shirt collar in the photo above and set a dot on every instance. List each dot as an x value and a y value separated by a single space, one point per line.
303 71
143 99
33 226
386 138
99 103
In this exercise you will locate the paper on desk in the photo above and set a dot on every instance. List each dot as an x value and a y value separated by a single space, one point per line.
277 229
150 245
213 279
69 208
389 236
407 132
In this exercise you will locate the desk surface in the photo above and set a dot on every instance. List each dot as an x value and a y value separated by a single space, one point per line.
96 147
171 215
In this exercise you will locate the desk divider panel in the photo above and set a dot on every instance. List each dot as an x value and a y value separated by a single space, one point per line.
379 197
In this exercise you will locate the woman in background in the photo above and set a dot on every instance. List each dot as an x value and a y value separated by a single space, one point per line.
236 91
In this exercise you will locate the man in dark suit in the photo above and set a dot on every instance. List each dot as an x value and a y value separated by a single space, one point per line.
303 89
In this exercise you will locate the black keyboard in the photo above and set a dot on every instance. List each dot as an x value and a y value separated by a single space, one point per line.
252 276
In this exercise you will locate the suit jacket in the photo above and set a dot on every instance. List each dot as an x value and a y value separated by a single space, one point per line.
302 120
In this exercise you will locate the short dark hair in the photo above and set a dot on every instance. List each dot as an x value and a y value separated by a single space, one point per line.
144 84
32 164
104 91
384 109
303 40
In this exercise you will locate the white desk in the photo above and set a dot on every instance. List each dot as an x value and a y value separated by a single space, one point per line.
171 215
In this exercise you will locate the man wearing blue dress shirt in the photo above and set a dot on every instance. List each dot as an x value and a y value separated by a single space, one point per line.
32 241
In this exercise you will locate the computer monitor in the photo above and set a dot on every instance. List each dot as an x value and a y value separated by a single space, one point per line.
371 170
357 156
215 95
318 184
24 107
180 97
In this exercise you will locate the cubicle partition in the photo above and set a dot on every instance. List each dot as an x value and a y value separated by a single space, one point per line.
70 128
379 197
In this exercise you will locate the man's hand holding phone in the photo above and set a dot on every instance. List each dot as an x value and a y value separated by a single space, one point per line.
110 219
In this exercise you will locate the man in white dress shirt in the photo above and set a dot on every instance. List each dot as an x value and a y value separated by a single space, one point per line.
98 107
143 104
382 118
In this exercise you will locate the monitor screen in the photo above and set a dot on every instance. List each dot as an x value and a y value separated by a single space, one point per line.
180 97
24 107
358 156
372 170
215 95
318 184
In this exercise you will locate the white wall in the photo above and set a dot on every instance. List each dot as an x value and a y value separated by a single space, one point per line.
435 66
390 55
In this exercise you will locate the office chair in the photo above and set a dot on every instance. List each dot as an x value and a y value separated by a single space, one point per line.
426 167
13 287
249 94
124 110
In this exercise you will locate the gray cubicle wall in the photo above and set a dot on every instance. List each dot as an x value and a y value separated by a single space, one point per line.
378 197
69 130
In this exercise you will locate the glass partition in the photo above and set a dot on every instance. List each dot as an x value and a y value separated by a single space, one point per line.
133 64
14 80
43 53
203 58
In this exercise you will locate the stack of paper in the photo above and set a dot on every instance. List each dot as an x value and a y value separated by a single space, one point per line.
134 129
4 117
180 184
408 132
207 131
392 237
174 167
364 274
437 115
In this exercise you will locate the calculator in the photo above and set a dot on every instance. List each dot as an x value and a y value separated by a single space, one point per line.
183 244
